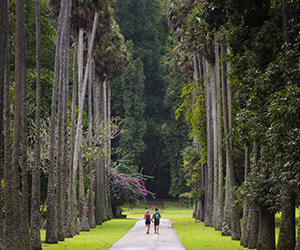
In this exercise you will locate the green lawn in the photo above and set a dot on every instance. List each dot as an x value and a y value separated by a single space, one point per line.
192 235
101 237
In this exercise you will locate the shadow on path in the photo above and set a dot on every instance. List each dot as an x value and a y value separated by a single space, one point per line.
137 238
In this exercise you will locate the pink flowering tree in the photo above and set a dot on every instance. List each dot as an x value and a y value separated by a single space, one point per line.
126 188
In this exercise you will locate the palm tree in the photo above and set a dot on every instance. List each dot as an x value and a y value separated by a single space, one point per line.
51 230
111 58
246 208
231 218
70 217
9 218
81 20
61 128
63 192
96 101
81 94
35 193
20 81
24 220
91 215
2 65
66 208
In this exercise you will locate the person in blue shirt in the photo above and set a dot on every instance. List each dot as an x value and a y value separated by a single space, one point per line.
156 217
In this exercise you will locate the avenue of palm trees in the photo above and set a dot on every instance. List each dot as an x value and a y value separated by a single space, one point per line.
104 103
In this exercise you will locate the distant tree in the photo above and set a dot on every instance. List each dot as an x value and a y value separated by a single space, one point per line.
131 141
138 22
174 129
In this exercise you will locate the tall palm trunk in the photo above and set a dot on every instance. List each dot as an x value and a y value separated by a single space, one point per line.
71 217
60 234
98 208
61 134
105 164
244 236
201 204
24 219
226 225
235 218
253 219
219 198
66 166
65 196
19 76
91 215
36 243
8 241
102 161
83 222
109 143
210 170
196 76
214 69
80 61
3 37
78 139
51 230
77 204
109 119
231 223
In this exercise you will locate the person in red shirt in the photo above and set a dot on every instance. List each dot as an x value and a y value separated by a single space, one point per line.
147 218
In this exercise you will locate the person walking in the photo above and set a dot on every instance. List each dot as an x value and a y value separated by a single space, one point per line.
156 217
147 218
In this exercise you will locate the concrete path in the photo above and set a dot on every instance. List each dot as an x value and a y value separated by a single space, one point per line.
137 238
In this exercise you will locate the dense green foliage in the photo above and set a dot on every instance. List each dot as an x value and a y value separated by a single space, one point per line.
158 152
131 143
265 82
262 43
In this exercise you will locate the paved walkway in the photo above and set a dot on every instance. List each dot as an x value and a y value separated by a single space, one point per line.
137 238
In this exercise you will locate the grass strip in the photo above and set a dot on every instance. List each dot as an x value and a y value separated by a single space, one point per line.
101 237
